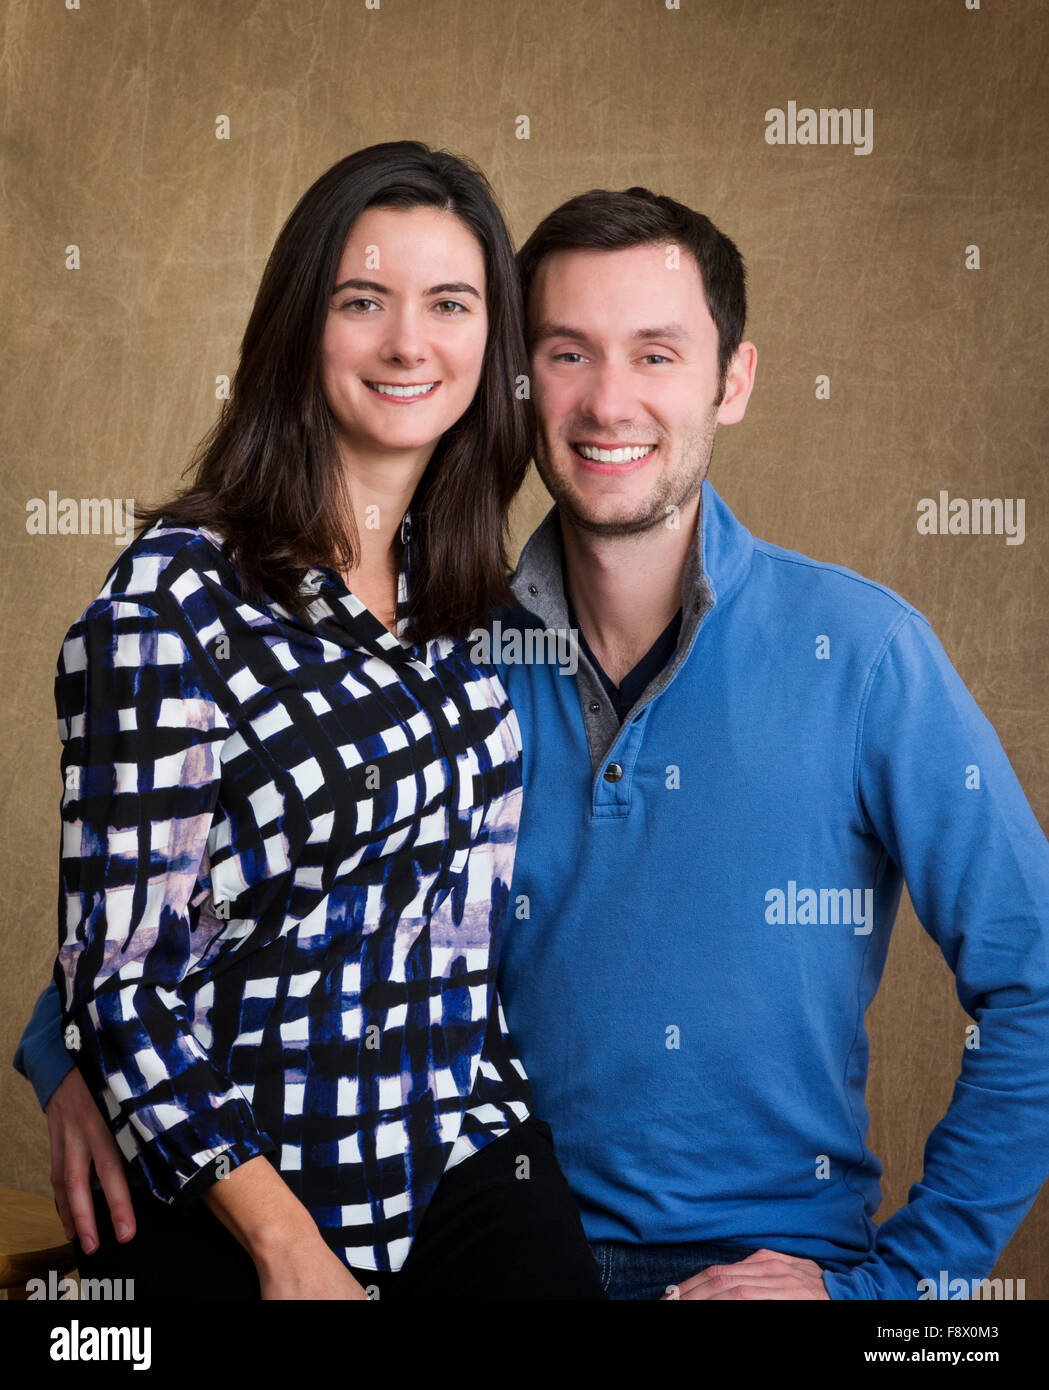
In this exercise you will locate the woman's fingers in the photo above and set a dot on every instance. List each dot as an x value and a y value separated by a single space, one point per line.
80 1139
110 1169
78 1190
58 1177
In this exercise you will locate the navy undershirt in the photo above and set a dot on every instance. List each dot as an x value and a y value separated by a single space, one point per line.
634 682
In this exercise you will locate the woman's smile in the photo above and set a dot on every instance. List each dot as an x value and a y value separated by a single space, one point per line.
406 393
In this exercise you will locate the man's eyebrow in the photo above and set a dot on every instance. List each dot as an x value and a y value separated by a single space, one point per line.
668 333
558 330
452 287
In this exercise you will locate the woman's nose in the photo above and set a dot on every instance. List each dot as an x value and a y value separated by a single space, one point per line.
406 341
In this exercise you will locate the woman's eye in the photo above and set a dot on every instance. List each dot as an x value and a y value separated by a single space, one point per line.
451 306
360 306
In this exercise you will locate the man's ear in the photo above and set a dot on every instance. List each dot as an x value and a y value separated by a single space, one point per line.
739 382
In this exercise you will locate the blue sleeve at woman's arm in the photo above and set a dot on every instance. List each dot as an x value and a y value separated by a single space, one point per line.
42 1055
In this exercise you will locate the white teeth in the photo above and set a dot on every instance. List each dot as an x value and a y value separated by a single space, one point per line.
385 390
628 455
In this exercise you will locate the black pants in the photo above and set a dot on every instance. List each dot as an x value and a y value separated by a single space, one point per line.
487 1234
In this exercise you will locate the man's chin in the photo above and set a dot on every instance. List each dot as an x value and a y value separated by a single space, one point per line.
604 514
609 521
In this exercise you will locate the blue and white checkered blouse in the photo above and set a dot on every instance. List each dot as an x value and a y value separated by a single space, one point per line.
286 858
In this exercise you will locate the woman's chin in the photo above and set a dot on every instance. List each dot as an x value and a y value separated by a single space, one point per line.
408 443
393 441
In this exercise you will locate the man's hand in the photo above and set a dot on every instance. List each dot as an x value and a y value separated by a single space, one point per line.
79 1138
765 1274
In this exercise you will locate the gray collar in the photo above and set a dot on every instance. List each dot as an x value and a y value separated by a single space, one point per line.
538 585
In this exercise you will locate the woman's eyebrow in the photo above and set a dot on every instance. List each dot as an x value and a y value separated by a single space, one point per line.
452 287
361 285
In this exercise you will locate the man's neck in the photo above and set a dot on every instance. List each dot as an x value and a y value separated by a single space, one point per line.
626 589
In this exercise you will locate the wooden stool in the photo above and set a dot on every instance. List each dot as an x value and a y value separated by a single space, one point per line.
32 1242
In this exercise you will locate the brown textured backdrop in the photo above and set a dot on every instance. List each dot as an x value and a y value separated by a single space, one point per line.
857 271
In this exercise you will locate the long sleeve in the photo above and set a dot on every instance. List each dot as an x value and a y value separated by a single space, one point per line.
142 739
943 799
41 1055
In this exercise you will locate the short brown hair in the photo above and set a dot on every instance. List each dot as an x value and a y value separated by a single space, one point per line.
602 220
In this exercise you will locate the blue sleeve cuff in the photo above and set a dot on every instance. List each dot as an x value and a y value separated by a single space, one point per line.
873 1280
839 1287
41 1056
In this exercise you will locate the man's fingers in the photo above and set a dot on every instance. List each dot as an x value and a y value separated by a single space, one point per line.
751 1292
720 1273
753 1287
720 1278
760 1265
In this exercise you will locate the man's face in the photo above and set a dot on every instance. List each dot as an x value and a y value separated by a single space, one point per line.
624 379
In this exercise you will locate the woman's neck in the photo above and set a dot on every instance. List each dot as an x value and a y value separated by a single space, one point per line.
380 491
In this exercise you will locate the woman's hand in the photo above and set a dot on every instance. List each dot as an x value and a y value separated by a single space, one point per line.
257 1206
306 1270
254 1202
79 1139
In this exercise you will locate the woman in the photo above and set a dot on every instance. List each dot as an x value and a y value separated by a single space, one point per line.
292 797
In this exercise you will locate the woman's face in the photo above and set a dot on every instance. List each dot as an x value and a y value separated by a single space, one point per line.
404 342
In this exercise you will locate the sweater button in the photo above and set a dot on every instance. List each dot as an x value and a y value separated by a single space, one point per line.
613 772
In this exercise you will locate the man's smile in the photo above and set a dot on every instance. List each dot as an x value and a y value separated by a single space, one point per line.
612 458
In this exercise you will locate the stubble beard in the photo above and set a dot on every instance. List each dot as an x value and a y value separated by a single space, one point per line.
675 487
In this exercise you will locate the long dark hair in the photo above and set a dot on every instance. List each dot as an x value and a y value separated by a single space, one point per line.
268 476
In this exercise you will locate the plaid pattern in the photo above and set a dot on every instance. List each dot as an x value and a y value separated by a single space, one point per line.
286 859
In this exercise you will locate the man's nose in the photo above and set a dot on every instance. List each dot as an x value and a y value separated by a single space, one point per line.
608 398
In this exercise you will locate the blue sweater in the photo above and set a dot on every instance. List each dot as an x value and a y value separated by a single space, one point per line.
693 943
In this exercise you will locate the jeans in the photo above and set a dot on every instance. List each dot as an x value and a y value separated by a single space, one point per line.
648 1271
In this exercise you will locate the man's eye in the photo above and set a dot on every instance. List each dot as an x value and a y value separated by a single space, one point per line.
564 356
451 306
654 357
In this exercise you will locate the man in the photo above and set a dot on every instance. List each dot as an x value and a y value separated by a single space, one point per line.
721 805
720 808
